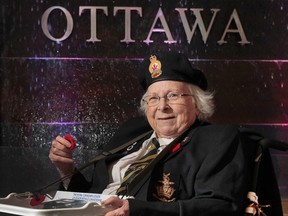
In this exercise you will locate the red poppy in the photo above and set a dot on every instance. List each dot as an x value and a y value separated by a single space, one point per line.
37 200
176 148
71 139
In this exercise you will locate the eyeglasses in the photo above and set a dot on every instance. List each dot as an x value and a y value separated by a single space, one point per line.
153 100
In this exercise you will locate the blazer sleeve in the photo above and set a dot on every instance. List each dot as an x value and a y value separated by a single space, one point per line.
78 183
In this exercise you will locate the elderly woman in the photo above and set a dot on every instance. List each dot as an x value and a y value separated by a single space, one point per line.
196 168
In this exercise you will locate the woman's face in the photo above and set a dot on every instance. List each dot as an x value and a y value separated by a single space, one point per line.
171 118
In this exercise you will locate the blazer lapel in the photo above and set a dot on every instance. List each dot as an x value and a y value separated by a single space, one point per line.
175 148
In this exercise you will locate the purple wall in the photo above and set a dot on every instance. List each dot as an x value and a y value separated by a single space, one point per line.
52 86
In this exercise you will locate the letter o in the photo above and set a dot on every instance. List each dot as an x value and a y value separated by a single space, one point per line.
44 23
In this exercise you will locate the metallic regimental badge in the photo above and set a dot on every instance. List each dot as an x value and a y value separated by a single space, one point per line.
165 191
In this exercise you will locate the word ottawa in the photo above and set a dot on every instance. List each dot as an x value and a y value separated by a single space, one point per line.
158 23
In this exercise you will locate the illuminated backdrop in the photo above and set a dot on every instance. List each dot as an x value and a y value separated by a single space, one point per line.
70 67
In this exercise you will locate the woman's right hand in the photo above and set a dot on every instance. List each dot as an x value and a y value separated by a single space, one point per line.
61 155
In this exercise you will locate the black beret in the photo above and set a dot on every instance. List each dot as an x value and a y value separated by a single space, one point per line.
169 66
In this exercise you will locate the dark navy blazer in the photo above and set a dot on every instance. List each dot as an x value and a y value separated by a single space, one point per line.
208 173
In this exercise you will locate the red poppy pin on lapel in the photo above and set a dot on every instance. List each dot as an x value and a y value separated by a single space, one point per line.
176 148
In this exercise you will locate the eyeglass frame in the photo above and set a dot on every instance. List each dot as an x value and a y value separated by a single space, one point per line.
166 97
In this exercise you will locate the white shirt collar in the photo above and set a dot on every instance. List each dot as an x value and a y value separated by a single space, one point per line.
162 141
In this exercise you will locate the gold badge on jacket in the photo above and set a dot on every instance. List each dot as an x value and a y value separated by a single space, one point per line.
165 191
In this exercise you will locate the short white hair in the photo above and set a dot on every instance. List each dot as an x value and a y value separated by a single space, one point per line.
204 101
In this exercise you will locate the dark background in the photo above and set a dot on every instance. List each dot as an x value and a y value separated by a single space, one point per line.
89 88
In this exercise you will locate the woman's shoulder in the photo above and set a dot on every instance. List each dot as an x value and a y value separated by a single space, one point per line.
218 129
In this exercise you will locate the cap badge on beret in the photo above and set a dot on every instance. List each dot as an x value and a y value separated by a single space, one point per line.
155 67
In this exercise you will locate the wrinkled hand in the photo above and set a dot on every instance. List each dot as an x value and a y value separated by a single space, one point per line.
122 206
61 155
